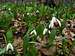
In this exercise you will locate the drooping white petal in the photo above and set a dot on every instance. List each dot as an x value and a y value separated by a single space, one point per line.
49 31
59 22
28 13
51 25
37 11
9 9
33 32
54 19
9 46
44 31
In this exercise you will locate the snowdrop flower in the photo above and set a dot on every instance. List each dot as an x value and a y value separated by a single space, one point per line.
45 31
37 11
9 46
49 31
28 13
9 9
54 23
33 32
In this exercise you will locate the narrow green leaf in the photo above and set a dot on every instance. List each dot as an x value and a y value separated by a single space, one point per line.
52 36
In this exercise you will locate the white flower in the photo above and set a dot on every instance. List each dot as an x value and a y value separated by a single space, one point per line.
33 32
49 31
37 11
45 31
9 9
9 46
54 23
28 13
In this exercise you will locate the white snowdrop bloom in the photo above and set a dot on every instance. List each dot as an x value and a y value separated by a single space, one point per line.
73 39
49 31
37 11
9 46
45 31
33 32
28 13
9 9
54 23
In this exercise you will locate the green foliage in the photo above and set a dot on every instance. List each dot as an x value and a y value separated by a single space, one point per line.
2 51
29 48
5 19
52 36
9 36
39 29
33 18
